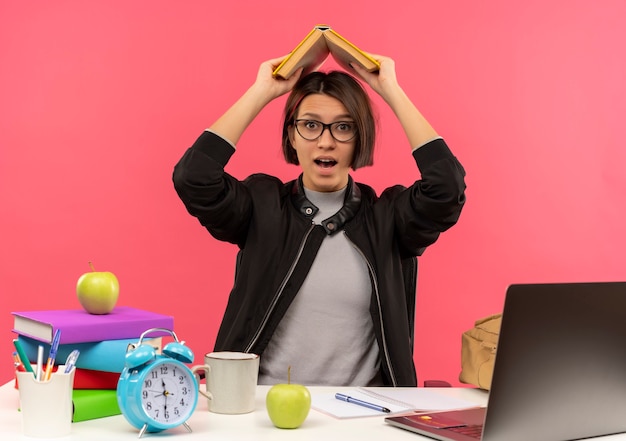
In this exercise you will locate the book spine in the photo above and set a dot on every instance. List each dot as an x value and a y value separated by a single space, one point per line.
85 379
106 355
93 404
42 325
84 334
90 379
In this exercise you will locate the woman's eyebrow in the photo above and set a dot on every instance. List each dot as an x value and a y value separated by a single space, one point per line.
315 116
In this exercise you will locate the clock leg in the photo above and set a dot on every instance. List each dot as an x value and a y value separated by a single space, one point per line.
187 427
143 430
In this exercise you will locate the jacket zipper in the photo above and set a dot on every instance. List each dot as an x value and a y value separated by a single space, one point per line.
380 312
266 318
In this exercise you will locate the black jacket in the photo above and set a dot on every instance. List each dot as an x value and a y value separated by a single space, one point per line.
271 223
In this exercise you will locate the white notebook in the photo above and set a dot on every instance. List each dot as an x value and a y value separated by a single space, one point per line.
397 400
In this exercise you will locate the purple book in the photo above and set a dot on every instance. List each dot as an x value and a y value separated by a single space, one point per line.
78 326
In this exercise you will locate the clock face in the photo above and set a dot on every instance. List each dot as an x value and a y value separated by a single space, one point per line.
168 393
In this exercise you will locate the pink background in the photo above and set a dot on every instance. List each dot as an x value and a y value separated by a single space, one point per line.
98 102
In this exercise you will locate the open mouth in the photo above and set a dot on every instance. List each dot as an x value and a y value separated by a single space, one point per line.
326 163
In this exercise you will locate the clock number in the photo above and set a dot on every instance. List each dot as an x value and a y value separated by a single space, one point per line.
144 394
163 370
176 411
148 383
184 391
149 405
181 379
182 402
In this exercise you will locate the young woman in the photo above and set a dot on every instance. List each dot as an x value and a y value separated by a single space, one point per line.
319 283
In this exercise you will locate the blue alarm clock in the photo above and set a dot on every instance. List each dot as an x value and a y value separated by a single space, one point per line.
157 392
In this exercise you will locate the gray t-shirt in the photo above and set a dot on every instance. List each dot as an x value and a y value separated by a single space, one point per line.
327 335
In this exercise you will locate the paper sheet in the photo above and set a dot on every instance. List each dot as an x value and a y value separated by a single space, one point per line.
395 399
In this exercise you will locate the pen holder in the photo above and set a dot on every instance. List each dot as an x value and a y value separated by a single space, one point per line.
46 406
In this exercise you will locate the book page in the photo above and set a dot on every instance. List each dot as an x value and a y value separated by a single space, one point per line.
328 404
417 398
397 400
345 53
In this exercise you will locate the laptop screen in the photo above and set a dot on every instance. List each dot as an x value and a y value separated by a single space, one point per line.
560 371
561 363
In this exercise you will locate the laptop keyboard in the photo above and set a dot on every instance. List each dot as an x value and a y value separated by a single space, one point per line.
473 431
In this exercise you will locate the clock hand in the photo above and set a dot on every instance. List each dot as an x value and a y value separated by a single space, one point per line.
165 394
161 393
157 392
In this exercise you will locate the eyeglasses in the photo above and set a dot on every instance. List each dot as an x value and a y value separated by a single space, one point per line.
310 129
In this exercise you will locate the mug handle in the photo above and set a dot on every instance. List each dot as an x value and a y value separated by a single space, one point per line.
206 369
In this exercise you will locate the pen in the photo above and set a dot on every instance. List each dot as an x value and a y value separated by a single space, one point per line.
17 363
349 399
23 358
71 360
39 363
53 354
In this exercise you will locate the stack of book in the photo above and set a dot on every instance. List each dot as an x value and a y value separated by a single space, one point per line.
102 340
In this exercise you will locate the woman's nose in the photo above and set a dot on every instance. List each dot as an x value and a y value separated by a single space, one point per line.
326 138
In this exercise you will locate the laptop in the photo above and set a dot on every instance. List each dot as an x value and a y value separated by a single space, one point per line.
560 369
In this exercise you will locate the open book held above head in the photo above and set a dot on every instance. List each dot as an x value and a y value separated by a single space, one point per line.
315 48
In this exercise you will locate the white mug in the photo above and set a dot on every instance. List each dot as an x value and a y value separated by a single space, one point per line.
231 379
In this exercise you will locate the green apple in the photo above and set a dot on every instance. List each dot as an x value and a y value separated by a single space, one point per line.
288 404
98 291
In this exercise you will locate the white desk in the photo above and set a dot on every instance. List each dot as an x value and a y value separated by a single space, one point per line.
248 427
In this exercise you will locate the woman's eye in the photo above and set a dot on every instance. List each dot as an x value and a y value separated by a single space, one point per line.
345 127
312 125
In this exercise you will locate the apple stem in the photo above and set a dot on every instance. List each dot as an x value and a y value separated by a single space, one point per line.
289 374
91 266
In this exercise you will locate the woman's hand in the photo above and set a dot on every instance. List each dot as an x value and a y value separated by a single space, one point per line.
384 82
271 87
234 122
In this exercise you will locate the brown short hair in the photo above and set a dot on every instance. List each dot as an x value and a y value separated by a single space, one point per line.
349 91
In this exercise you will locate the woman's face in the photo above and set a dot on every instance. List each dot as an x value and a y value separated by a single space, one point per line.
325 162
